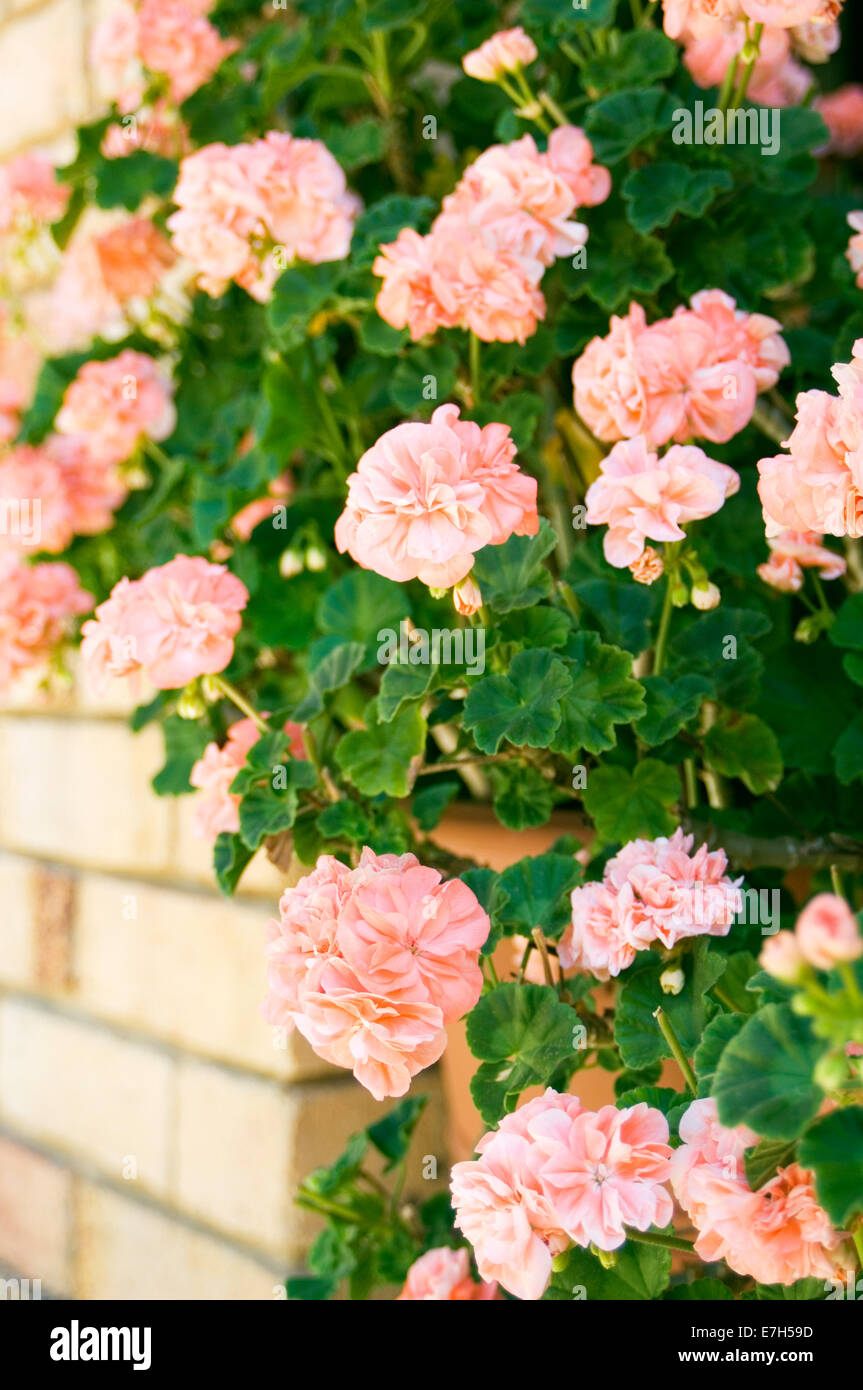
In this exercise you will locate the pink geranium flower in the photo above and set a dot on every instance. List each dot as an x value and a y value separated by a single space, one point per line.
639 495
174 624
854 254
776 1235
370 963
827 932
218 809
167 37
652 891
842 111
30 192
112 405
503 52
791 552
443 1275
54 491
426 497
133 258
37 603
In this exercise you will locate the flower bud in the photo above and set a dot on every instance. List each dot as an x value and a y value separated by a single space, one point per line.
467 597
607 1258
672 980
705 597
831 1071
191 704
781 958
290 564
316 560
827 932
437 593
648 567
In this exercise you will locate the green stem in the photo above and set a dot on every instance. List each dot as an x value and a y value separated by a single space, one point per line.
473 359
151 448
553 109
231 693
658 1238
690 782
753 45
857 1236
822 597
836 880
667 1031
849 980
728 82
664 627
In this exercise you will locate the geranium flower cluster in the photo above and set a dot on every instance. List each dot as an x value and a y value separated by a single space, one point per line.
777 1234
639 495
792 552
171 39
680 15
554 1174
371 963
112 405
508 218
826 934
694 375
842 111
653 892
218 809
816 485
37 604
30 194
238 204
174 624
443 1276
54 491
426 497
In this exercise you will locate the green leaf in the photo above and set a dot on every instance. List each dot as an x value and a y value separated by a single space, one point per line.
429 804
523 707
618 124
522 411
423 377
625 806
742 745
716 1037
643 56
848 753
356 144
378 759
847 630
668 705
381 338
512 575
603 693
362 605
833 1148
266 809
520 1033
658 192
392 1135
764 1077
641 1273
762 1161
230 859
185 741
344 820
538 891
719 646
382 221
700 1290
521 796
401 684
483 883
636 1030
300 292
622 263
127 181
331 673
310 1288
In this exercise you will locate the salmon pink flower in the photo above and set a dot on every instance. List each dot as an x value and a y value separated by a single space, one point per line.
854 254
133 258
842 112
639 495
112 405
793 551
175 623
426 497
827 932
503 52
218 809
37 603
781 957
648 567
30 192
443 1275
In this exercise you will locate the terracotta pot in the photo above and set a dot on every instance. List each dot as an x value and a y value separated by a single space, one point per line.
472 832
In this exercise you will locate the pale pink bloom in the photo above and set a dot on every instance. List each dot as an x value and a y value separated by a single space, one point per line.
78 307
609 1174
503 52
176 40
443 1275
816 42
54 491
570 156
114 53
29 191
651 891
177 622
94 489
250 516
691 390
777 79
609 392
408 936
705 596
827 932
680 16
781 957
842 111
37 603
218 809
793 551
239 204
750 338
648 567
500 1203
854 253
133 258
483 285
791 13
407 299
639 495
816 485
467 597
426 497
383 1043
157 129
776 1235
116 403
303 939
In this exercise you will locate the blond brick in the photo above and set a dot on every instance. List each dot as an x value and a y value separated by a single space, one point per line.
233 1137
86 1091
16 935
42 61
35 1216
183 966
193 860
78 791
126 1250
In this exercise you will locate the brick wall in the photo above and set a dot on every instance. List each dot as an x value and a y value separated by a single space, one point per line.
151 1132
